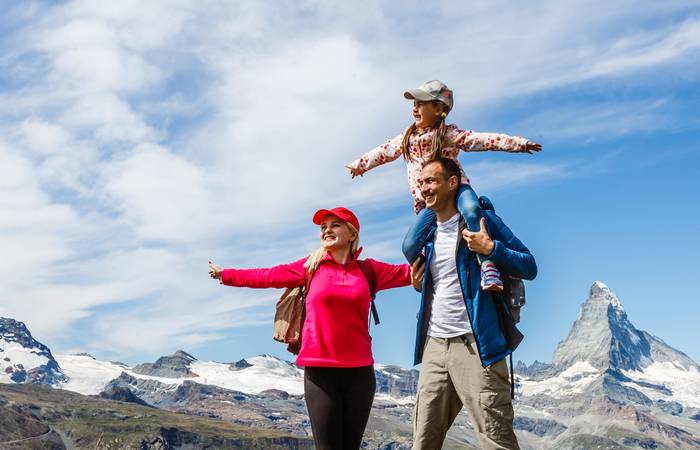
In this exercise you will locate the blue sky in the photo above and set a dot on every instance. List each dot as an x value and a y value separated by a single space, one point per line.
140 139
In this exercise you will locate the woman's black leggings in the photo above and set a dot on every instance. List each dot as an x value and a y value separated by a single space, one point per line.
339 401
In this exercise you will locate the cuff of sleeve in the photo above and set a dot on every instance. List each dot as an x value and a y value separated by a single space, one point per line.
496 252
227 276
523 144
355 165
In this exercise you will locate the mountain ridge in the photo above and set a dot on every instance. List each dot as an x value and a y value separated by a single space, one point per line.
608 384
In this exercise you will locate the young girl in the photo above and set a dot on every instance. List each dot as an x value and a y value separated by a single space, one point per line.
427 138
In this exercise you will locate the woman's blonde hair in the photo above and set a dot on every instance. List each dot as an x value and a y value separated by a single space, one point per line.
435 144
317 255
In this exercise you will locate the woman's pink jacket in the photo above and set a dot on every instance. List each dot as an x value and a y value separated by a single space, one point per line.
335 332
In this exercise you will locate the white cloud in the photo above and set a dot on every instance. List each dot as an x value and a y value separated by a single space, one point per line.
172 325
109 118
644 50
86 55
500 176
597 121
59 161
287 138
104 47
162 196
138 25
29 222
44 137
550 45
87 283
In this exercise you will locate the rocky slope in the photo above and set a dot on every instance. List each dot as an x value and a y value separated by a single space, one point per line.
44 418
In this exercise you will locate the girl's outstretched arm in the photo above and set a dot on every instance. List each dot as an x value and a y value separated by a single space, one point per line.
376 157
471 141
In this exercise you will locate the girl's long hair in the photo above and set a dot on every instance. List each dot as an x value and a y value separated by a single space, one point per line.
435 144
317 255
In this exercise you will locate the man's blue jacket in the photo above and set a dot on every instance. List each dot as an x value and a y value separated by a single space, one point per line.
490 330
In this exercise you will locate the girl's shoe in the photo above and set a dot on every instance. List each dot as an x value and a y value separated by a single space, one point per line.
490 277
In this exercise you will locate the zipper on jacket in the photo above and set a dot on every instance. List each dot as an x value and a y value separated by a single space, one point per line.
427 309
469 284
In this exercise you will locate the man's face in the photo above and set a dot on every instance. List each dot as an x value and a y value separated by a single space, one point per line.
437 191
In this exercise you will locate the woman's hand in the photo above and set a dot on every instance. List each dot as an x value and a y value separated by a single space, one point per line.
215 271
417 271
531 147
354 171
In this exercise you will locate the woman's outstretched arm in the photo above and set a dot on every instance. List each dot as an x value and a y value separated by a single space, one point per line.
282 276
390 276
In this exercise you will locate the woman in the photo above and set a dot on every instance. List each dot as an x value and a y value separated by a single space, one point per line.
336 351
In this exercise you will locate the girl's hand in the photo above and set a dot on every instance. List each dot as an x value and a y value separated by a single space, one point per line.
354 172
531 147
215 271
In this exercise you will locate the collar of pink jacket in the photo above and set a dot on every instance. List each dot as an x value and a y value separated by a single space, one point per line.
354 257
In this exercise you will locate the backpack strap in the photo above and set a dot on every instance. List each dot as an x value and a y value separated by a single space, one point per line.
295 347
512 379
308 276
371 276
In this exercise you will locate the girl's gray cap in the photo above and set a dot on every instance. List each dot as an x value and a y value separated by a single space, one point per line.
434 90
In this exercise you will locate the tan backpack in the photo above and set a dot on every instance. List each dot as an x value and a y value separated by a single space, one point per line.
289 318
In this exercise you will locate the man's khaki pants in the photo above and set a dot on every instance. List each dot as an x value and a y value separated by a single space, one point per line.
452 376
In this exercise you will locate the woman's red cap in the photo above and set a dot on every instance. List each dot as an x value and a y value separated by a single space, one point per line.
342 213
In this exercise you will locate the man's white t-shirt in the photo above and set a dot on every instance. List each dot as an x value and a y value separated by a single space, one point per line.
448 317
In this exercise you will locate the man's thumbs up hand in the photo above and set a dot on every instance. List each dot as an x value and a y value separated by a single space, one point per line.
480 241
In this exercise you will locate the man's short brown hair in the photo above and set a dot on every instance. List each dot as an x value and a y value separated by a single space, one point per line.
449 166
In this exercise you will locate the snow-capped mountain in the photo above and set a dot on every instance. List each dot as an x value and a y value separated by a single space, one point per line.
90 376
610 384
604 341
253 375
24 359
604 337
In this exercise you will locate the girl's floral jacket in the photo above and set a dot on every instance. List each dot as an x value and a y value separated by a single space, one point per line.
419 147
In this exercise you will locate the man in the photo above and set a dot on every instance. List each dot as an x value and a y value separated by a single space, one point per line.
460 339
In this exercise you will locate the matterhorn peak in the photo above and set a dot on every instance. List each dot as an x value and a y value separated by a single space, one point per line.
599 289
602 335
600 292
